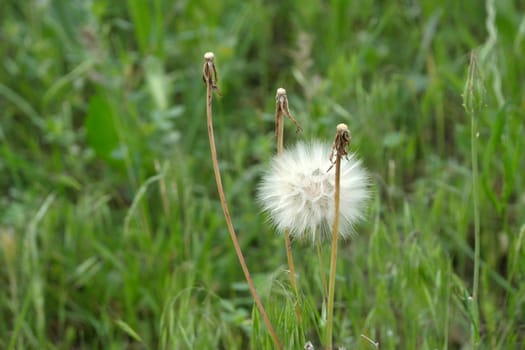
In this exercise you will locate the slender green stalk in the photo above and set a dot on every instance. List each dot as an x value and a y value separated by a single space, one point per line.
322 272
210 78
321 268
281 109
474 153
473 102
291 269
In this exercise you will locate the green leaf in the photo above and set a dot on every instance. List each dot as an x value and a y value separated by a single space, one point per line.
101 130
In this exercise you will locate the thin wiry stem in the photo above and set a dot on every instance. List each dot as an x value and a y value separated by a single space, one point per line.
210 78
341 141
322 273
281 109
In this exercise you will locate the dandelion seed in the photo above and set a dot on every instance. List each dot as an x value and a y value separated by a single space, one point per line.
298 192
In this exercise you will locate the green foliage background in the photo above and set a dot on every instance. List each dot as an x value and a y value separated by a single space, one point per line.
111 231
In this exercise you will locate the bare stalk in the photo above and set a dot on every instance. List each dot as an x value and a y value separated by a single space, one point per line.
209 75
341 141
281 109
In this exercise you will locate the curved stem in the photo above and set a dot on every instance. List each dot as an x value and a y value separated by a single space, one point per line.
228 219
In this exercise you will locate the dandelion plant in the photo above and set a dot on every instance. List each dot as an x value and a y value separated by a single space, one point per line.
301 194
281 110
209 75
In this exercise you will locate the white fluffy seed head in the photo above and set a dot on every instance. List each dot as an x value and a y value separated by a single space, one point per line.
209 56
298 192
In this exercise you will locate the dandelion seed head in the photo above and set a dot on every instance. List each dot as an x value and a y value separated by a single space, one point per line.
298 192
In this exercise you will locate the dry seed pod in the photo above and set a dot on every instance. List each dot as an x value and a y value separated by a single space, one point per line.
341 141
209 72
281 108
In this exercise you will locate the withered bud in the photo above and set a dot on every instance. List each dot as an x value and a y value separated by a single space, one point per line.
209 56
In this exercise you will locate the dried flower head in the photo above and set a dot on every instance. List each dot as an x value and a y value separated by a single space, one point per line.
281 109
298 191
209 72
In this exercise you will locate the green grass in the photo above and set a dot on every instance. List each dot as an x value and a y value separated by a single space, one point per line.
111 231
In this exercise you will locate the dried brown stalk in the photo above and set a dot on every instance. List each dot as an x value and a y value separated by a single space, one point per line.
281 109
209 75
341 141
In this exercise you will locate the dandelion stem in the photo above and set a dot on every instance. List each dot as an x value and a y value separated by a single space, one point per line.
281 108
342 139
210 79
333 257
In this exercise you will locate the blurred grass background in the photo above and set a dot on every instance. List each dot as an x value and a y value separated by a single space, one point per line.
111 232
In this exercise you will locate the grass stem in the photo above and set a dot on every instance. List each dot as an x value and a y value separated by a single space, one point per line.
475 282
322 269
473 100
